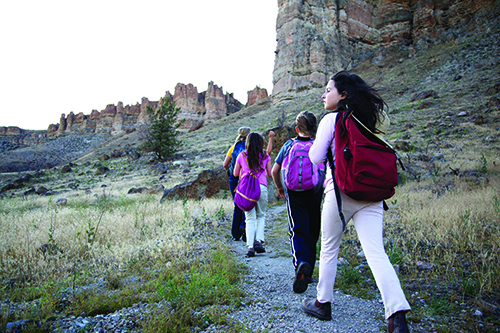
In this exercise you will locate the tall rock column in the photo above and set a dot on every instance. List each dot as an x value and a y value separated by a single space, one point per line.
308 46
191 103
62 124
256 95
215 103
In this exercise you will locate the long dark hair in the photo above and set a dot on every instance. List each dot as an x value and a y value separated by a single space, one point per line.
255 153
361 99
306 123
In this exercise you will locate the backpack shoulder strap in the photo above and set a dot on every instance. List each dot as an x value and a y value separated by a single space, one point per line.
329 156
289 148
248 166
376 136
379 138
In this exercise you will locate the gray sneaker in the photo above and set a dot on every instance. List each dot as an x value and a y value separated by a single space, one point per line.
319 310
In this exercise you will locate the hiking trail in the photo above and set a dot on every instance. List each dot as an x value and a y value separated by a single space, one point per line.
272 306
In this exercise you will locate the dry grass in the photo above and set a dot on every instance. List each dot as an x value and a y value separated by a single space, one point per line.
457 230
105 232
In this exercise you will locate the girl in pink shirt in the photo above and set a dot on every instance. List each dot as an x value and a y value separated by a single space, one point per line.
260 164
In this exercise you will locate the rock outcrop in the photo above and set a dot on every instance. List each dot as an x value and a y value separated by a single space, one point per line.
207 184
317 38
10 130
196 109
113 119
256 95
199 108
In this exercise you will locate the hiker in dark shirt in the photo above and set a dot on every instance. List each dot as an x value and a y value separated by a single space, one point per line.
303 205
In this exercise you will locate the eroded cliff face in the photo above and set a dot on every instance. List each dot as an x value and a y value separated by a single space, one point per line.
113 119
316 38
202 108
256 95
196 109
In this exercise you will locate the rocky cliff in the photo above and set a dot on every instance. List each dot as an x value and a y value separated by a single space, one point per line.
316 38
196 109
199 108
256 95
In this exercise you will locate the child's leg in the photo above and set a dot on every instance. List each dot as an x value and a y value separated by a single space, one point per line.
331 235
238 214
314 226
261 214
298 226
251 222
368 222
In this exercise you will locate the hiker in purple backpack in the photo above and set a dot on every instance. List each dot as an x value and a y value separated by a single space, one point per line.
303 204
256 160
238 225
349 93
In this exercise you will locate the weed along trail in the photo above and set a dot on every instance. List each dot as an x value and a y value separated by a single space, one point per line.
272 306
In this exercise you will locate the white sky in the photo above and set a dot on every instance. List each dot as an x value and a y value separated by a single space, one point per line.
58 56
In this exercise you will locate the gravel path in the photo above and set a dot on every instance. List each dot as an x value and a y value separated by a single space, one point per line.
273 306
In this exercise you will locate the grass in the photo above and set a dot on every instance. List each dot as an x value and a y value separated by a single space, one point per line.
113 252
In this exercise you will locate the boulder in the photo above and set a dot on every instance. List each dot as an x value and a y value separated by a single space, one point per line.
66 169
101 170
7 187
29 192
159 168
207 184
134 190
423 95
133 155
156 189
42 190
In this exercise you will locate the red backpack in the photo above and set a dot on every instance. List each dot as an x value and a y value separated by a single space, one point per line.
365 165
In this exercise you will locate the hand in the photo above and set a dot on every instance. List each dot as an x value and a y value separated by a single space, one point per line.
282 193
271 135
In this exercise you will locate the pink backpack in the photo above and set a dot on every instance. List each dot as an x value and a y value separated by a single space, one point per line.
248 190
299 173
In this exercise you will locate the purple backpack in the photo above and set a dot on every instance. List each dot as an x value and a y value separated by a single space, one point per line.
248 190
299 173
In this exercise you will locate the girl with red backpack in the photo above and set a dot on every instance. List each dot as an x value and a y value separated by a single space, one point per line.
302 187
349 95
256 161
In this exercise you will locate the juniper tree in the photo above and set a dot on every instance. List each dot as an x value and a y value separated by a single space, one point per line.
161 135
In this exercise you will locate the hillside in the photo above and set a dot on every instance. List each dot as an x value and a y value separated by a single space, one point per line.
445 121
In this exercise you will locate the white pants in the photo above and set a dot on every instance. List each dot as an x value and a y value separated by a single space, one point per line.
256 219
368 219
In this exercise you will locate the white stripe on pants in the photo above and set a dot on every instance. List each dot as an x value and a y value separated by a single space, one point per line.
368 219
256 218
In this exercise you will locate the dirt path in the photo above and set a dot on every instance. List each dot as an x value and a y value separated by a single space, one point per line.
272 306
